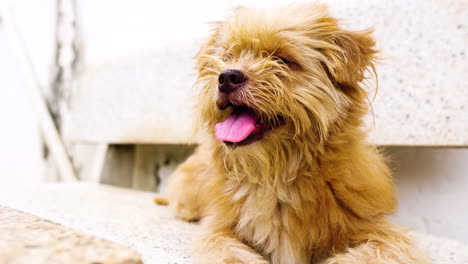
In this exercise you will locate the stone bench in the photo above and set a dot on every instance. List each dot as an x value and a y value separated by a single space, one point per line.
131 218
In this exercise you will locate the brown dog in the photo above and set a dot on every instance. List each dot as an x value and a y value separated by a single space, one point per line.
285 175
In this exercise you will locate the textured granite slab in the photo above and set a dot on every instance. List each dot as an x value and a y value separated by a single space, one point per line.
124 216
422 97
29 239
131 218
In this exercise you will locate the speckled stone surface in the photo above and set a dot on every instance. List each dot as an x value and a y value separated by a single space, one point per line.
423 93
29 239
124 216
131 218
421 100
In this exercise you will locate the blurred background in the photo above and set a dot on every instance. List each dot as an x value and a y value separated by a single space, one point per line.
116 78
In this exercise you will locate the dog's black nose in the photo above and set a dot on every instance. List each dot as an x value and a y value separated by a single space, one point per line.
230 80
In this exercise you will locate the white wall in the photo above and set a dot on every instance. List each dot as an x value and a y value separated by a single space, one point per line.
433 190
20 161
20 146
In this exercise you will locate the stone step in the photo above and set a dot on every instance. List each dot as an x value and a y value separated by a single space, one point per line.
131 218
29 239
124 216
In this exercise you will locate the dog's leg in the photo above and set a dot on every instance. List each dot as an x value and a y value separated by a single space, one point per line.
391 246
219 246
188 186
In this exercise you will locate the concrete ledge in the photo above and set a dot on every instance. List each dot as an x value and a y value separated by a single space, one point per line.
131 218
124 216
29 239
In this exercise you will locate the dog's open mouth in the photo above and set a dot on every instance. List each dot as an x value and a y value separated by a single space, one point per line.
242 127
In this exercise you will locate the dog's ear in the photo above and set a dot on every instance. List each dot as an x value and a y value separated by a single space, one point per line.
355 55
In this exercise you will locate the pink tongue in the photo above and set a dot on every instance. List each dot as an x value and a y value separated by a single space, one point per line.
237 127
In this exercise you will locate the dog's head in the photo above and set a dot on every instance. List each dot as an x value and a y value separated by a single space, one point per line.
269 77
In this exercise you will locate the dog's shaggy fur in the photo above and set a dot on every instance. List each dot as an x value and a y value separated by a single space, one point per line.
310 189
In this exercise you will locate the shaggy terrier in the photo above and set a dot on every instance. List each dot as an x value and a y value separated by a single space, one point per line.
285 174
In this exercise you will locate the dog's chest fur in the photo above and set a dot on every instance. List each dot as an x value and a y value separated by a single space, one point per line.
269 225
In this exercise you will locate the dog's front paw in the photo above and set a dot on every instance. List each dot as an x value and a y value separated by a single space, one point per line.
333 261
183 197
231 258
247 260
185 210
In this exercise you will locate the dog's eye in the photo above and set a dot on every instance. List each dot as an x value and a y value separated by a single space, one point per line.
226 57
284 60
